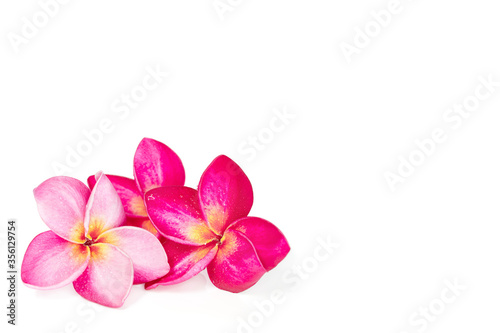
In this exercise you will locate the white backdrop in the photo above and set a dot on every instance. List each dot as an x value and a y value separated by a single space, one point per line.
368 126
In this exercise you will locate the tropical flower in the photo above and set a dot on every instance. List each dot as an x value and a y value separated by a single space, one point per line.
155 165
211 228
88 245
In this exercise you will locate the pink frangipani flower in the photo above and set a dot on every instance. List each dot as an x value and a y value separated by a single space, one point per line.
210 228
155 165
88 244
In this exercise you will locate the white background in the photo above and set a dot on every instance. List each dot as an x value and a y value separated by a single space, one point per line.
322 175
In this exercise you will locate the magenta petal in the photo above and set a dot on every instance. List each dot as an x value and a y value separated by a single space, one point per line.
157 165
92 180
129 194
145 250
236 267
269 242
225 193
185 261
176 214
51 262
104 208
108 277
61 203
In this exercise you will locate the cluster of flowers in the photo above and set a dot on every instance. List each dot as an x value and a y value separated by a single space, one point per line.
150 230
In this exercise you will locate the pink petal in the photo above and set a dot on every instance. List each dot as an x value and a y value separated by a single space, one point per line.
104 208
61 203
51 262
145 250
225 193
176 214
269 242
185 261
129 194
156 165
236 267
108 277
145 224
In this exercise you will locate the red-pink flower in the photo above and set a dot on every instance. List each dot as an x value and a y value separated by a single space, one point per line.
155 165
87 244
210 228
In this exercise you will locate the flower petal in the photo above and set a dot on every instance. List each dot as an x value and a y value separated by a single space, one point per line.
185 261
61 204
108 277
157 165
176 214
129 194
145 224
269 242
225 193
236 267
51 262
145 250
104 208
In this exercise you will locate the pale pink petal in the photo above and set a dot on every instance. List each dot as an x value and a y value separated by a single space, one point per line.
61 203
236 267
108 277
51 262
225 193
175 213
157 165
269 242
129 194
145 250
104 208
185 262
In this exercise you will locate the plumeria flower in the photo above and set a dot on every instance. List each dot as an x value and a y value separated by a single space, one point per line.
155 165
87 244
210 228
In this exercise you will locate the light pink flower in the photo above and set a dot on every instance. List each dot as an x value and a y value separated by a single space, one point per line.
155 165
210 228
88 245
